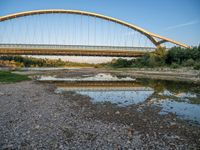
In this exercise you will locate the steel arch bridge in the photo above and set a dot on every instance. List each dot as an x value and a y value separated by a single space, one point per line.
83 49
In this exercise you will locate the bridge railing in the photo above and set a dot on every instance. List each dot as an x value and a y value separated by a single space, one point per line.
77 47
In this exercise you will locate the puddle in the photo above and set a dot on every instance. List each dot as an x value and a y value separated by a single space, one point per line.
181 109
182 99
121 98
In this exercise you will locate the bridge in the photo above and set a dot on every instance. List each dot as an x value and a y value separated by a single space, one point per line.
74 32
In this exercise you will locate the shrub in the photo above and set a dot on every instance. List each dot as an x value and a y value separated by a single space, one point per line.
174 65
121 63
197 66
189 62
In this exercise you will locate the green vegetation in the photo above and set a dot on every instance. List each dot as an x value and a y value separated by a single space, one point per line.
8 77
175 57
19 61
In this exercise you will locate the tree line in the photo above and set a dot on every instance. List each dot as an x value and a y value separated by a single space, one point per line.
174 57
19 61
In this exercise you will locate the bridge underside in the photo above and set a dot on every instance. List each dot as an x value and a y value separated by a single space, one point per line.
70 52
73 50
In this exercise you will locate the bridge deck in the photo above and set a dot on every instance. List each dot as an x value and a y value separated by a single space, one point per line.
25 51
78 50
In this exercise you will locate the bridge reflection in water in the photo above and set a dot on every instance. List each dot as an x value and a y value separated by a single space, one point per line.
104 88
120 93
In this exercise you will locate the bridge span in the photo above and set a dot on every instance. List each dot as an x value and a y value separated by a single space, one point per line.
73 50
75 32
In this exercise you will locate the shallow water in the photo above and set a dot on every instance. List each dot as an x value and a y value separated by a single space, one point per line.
182 99
98 77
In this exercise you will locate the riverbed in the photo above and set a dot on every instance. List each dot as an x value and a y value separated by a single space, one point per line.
89 109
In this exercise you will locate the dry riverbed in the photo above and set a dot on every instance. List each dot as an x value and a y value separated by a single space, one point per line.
32 116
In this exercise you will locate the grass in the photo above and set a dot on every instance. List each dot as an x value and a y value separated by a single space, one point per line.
8 77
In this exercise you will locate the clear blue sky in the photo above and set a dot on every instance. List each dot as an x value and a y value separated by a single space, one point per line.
176 19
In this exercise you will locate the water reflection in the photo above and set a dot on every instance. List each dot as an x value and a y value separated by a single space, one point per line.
182 99
182 109
121 98
98 77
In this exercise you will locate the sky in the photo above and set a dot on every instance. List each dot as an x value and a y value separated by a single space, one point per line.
175 19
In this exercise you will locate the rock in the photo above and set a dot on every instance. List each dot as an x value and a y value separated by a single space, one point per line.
1 94
10 146
28 132
117 112
145 120
172 124
37 127
175 137
130 132
128 142
119 147
61 147
67 131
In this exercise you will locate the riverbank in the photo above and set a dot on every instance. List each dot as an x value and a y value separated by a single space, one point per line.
33 116
182 74
8 77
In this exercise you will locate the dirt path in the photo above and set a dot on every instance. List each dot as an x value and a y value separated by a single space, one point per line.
32 116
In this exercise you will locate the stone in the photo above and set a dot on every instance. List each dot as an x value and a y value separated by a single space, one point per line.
172 124
117 112
37 127
128 142
1 94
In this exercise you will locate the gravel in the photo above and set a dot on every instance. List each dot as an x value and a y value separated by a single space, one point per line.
32 116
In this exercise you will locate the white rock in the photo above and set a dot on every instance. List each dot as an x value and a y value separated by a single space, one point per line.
117 112
1 94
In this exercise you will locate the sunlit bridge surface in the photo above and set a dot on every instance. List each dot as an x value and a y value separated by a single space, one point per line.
74 32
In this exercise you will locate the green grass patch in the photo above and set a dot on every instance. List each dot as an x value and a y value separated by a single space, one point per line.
8 77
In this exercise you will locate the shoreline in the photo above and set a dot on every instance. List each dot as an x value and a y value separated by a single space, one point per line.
182 74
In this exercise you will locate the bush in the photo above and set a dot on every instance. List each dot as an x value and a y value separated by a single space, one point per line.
174 65
189 62
197 66
121 63
181 55
19 61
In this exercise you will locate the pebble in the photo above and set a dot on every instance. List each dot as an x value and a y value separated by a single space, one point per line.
130 133
72 130
172 124
117 112
37 127
10 146
128 142
145 120
1 94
